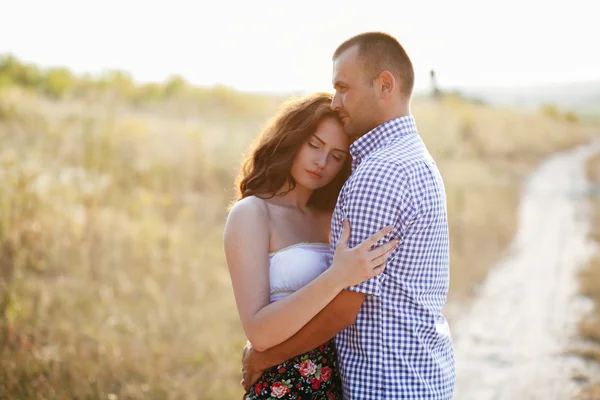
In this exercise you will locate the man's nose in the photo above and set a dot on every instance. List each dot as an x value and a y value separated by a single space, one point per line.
335 103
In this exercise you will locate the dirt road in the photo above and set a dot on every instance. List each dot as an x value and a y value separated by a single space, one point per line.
510 343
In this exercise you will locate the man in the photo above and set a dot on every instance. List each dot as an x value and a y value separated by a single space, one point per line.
392 339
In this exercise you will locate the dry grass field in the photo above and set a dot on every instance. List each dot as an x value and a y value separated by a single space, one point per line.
589 327
113 283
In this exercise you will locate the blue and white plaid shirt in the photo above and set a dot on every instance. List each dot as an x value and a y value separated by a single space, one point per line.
400 346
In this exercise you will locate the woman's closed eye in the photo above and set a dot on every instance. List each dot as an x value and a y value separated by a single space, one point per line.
336 157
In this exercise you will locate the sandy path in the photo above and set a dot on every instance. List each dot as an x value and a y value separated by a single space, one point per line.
510 342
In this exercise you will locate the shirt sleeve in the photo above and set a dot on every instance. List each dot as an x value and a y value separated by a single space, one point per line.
379 196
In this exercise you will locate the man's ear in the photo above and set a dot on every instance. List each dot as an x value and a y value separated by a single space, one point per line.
387 84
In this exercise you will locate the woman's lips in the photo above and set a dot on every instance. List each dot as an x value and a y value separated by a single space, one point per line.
314 174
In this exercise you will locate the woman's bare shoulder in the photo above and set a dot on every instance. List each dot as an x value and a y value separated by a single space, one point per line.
250 204
248 222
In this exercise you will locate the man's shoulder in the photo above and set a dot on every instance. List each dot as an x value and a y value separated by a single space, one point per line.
399 166
378 168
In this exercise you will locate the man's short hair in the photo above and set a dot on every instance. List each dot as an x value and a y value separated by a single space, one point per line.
380 52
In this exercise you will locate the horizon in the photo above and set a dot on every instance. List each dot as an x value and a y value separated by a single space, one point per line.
153 41
422 88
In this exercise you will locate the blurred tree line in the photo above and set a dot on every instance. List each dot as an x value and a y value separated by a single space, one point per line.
551 111
60 83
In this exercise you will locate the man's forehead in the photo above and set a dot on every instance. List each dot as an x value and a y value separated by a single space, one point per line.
347 60
348 56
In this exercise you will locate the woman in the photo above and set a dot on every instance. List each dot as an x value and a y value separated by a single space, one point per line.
276 243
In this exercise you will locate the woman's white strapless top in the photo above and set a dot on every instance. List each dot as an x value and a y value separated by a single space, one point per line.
293 267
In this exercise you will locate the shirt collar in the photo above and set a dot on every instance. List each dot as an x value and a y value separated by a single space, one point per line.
380 136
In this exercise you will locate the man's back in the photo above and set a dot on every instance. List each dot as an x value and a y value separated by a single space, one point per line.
400 345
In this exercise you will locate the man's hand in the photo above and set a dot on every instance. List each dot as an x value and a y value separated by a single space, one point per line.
340 313
250 372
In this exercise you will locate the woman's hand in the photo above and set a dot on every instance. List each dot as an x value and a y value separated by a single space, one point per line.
360 263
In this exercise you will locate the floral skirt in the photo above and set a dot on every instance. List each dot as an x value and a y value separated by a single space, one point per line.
313 375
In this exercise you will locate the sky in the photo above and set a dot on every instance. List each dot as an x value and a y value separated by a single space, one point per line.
283 46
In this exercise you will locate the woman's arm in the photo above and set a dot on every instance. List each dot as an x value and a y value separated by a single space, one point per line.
246 240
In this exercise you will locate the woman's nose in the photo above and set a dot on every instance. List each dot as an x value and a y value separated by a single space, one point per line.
321 161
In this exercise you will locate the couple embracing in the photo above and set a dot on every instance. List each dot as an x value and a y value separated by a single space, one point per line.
338 246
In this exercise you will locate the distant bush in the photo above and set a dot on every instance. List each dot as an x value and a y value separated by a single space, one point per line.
57 82
549 110
12 70
570 116
54 82
5 82
175 85
458 96
149 92
119 82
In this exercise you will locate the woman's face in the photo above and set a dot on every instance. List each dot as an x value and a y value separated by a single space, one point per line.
322 156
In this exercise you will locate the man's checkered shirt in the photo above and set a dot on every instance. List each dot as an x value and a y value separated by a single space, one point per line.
400 345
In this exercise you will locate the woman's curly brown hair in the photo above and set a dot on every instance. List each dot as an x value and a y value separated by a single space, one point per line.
267 169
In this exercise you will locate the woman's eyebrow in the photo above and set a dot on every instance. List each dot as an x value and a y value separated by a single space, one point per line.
319 139
322 141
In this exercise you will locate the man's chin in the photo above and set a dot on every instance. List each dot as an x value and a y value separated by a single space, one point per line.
349 130
353 131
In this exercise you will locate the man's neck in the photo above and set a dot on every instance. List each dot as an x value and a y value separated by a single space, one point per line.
396 112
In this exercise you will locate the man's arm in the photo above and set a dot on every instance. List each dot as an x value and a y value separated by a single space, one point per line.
340 313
